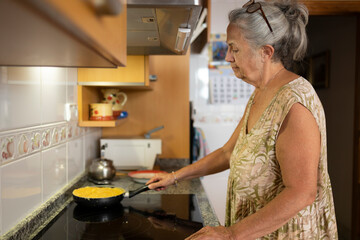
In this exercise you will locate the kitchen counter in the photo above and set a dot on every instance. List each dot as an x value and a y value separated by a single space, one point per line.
186 187
30 226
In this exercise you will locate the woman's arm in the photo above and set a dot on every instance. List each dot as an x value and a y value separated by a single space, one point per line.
214 162
298 152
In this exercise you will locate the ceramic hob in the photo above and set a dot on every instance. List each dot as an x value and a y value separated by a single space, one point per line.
145 216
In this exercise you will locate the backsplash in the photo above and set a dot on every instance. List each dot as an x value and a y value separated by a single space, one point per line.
42 148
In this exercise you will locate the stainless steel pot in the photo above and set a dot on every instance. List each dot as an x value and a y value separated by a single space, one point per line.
102 170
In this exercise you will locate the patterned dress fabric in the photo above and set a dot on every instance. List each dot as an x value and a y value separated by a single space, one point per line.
255 176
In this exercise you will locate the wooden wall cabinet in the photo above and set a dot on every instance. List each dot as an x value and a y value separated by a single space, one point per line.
91 80
62 33
136 73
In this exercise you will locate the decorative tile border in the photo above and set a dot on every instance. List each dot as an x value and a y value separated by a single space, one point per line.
8 148
35 141
16 144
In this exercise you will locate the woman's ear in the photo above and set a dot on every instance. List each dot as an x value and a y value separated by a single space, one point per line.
267 52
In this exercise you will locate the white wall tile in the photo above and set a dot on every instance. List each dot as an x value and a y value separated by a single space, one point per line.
1 214
75 158
71 83
20 190
53 94
20 97
91 146
54 170
33 96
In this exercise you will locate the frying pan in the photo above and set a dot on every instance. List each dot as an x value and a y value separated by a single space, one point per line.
107 201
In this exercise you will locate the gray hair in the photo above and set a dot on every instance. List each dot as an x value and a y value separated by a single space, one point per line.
288 20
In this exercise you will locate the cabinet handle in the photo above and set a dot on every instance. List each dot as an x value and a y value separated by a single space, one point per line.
107 7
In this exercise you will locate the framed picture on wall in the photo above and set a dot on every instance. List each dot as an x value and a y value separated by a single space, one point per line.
319 70
217 50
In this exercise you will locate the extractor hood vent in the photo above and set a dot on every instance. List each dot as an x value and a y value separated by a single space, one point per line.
161 27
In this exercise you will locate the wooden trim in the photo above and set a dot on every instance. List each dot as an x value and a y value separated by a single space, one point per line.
113 123
112 84
317 7
146 71
356 162
80 103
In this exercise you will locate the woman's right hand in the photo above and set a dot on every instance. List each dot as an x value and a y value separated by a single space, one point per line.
160 181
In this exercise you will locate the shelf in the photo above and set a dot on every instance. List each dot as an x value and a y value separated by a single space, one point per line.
86 96
99 123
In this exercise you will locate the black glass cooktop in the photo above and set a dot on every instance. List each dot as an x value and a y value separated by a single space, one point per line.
145 216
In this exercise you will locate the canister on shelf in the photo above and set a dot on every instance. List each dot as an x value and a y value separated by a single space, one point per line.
101 112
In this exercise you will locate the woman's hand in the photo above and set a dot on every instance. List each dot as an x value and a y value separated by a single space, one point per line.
160 181
212 233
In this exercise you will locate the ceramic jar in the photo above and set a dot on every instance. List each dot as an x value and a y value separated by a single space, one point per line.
101 112
116 98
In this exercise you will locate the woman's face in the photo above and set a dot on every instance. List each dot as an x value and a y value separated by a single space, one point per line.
244 61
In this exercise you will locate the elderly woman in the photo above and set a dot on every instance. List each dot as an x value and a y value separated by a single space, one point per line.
278 186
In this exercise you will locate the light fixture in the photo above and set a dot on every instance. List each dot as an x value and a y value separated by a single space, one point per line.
181 38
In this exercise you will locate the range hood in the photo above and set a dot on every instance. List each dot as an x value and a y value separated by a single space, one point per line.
161 27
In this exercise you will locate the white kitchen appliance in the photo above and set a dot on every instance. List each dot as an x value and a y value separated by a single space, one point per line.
131 153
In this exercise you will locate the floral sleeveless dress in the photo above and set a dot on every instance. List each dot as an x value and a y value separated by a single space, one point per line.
255 176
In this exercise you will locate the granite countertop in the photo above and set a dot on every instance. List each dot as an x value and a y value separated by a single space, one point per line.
30 226
186 187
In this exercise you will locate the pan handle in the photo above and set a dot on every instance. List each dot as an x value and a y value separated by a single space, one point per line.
139 190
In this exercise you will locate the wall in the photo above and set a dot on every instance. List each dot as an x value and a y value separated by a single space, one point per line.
338 34
220 10
42 148
167 103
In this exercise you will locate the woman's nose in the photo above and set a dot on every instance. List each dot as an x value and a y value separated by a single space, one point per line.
229 57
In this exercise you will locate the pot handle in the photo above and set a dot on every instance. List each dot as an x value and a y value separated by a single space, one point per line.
139 190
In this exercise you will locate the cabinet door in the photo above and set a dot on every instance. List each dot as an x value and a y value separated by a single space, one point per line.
67 33
136 73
